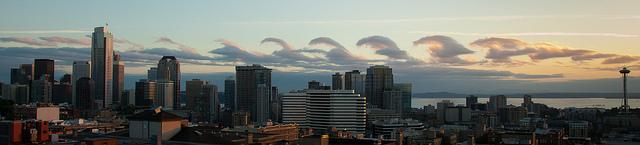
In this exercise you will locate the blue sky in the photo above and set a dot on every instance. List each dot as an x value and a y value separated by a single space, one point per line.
553 35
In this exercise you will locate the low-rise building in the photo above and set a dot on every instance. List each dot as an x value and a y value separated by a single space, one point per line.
149 123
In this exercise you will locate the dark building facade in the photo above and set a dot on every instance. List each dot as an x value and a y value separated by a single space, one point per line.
314 85
230 93
337 81
145 93
248 94
44 66
62 93
379 78
85 96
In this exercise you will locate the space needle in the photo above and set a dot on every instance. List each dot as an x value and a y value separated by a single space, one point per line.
624 73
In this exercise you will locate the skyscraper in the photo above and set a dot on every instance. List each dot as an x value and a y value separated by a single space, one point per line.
202 100
336 81
27 70
405 89
41 90
85 102
102 65
275 105
471 101
253 85
145 93
152 74
497 102
66 78
169 70
193 91
42 67
16 76
353 80
118 78
164 94
81 69
62 93
314 85
22 75
209 103
230 93
379 79
16 92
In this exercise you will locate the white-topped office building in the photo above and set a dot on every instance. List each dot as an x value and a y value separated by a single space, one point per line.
294 107
343 109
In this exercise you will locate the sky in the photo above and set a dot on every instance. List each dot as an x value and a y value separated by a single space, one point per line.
457 46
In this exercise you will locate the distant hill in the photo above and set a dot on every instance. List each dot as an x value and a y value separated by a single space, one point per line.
536 95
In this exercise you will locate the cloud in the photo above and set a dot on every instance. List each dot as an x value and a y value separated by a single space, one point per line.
337 54
65 40
445 49
549 50
582 34
621 59
502 49
179 45
27 41
386 47
288 51
592 56
43 31
499 43
125 42
172 52
235 53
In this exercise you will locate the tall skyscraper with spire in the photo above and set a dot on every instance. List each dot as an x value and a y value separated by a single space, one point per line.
169 70
118 78
102 65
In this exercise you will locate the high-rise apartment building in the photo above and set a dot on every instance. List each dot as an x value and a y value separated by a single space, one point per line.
169 70
379 79
102 65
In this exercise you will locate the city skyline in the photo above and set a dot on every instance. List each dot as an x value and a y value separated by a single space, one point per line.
525 48
333 72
